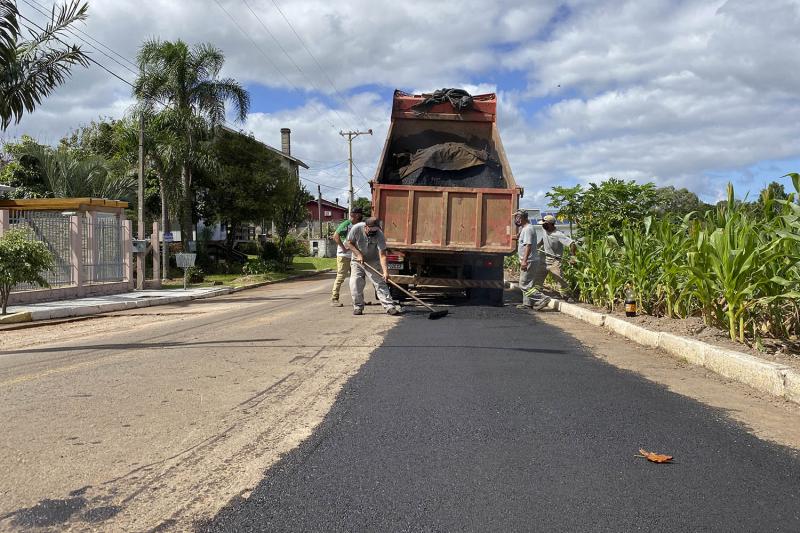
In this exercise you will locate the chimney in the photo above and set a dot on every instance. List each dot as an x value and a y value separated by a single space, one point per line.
286 144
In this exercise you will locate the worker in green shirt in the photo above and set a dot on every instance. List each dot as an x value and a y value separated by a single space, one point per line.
343 254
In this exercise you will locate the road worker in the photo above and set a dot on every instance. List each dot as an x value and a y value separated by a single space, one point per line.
343 253
368 246
531 265
552 244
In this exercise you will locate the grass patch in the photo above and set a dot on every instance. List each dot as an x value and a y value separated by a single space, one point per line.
299 264
313 263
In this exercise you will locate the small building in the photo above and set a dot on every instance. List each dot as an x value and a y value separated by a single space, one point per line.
329 212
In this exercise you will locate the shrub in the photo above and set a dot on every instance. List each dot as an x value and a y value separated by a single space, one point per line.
195 274
22 260
270 251
295 248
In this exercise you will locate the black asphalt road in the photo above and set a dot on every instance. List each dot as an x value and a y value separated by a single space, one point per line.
488 420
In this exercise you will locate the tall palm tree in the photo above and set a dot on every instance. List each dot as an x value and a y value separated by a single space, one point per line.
31 69
186 82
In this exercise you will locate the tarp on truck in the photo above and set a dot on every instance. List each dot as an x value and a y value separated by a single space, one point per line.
449 164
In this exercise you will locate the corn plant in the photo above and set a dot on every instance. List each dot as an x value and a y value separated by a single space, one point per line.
641 265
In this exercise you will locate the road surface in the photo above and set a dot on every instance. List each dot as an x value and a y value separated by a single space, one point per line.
270 411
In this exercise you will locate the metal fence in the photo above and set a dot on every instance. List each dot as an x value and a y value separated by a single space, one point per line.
102 249
53 229
101 246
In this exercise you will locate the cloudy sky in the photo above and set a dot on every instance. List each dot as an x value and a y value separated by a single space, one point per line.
686 93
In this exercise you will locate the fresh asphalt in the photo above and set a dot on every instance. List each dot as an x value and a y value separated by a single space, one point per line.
488 420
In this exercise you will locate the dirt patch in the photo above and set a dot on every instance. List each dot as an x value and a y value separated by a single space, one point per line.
766 416
786 353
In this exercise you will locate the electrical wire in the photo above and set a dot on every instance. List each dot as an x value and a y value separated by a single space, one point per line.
261 51
299 69
91 59
120 78
75 32
319 66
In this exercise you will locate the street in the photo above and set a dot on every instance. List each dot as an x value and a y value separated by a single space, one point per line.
270 411
162 415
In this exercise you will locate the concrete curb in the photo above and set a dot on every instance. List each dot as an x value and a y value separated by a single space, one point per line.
110 307
765 376
16 318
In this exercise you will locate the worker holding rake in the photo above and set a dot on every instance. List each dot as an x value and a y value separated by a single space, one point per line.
552 246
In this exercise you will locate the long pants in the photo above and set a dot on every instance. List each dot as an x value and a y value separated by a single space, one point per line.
530 282
358 275
342 271
554 269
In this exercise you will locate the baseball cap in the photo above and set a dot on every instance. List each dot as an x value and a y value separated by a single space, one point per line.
372 222
548 219
521 213
357 211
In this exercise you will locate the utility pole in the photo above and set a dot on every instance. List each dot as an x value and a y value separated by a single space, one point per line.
140 226
319 209
350 136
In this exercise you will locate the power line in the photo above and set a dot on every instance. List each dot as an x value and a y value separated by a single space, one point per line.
255 44
308 78
75 31
23 17
322 71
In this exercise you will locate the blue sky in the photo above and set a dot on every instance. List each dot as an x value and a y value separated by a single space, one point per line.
684 93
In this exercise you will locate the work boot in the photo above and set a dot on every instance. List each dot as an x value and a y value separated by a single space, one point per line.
358 311
542 303
336 303
394 311
523 306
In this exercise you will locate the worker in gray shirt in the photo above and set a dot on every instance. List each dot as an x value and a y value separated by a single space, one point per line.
368 245
530 264
552 243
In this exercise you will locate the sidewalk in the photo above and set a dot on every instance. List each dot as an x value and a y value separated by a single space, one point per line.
127 300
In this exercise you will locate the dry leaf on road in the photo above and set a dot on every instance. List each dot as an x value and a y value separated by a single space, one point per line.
655 457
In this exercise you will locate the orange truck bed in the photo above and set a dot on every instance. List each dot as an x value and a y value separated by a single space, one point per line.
445 219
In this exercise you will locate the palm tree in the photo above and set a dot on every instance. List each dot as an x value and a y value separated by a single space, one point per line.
185 81
68 176
31 69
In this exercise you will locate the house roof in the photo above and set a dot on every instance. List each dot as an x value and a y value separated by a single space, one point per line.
328 203
268 147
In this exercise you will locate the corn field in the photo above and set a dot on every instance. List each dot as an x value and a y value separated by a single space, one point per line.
737 268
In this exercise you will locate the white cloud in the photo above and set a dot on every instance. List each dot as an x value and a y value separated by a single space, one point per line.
683 92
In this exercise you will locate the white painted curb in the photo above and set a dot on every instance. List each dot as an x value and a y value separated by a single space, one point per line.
765 376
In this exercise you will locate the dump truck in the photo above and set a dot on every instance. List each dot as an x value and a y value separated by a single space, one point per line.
446 195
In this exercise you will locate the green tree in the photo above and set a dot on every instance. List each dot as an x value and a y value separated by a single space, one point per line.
290 212
365 204
603 209
244 186
186 82
678 202
567 202
21 261
64 173
30 70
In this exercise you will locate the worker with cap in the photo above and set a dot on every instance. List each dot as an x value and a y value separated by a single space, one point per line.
552 244
343 253
368 246
530 264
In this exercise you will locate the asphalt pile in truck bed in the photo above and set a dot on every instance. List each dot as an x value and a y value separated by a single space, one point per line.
448 164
